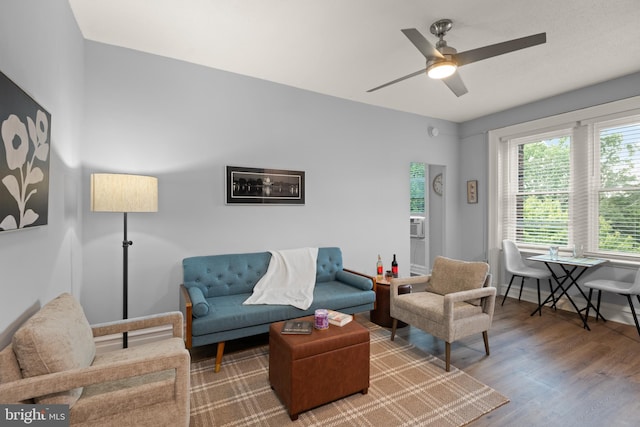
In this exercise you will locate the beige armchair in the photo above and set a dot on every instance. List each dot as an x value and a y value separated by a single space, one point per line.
457 301
52 360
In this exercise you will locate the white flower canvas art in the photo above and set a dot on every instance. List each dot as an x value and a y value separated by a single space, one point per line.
25 129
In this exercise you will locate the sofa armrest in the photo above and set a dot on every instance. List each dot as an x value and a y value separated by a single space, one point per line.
173 318
28 388
199 305
186 307
356 279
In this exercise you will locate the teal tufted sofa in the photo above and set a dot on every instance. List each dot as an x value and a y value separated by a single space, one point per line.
215 286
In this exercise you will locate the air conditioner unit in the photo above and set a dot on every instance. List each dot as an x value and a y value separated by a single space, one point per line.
416 226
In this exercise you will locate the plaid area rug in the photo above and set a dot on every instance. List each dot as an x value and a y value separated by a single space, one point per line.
408 387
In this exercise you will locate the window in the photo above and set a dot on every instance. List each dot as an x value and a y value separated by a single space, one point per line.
570 184
619 186
538 198
416 189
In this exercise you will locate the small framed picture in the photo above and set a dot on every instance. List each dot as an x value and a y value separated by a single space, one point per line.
472 191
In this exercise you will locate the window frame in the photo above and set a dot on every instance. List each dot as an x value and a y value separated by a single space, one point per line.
583 124
510 150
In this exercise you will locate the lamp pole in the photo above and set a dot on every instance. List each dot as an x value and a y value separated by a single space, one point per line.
125 279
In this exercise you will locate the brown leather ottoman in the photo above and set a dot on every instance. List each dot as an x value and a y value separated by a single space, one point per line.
307 371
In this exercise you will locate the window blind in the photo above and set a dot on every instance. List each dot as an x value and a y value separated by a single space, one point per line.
618 185
538 189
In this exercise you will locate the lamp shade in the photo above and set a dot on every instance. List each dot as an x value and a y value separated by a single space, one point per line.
123 193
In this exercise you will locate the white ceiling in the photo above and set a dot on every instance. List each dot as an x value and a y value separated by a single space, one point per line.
345 47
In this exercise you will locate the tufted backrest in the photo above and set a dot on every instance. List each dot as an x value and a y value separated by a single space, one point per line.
229 274
218 275
329 263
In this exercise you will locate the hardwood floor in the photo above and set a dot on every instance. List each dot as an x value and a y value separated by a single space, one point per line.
554 372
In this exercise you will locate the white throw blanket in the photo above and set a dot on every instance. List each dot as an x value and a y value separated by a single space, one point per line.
289 280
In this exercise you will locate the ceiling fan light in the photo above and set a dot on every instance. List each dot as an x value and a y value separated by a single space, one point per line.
441 69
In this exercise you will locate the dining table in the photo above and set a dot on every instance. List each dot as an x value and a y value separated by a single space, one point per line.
572 269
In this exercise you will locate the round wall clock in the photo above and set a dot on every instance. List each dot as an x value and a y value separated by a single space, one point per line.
437 184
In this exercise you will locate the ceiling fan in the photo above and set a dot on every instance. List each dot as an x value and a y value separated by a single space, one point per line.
443 60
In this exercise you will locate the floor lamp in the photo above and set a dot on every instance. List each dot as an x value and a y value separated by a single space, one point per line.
124 193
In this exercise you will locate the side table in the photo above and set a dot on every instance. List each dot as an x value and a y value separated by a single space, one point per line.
380 315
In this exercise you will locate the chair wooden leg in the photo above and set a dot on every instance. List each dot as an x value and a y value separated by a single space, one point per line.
394 326
447 355
219 356
485 336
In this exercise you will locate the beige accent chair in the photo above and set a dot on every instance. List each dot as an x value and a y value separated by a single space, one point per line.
457 301
52 360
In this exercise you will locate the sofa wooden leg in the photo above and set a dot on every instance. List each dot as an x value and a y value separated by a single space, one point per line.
447 355
219 356
485 335
394 326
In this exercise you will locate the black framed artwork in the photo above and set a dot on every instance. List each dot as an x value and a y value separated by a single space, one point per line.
264 186
25 129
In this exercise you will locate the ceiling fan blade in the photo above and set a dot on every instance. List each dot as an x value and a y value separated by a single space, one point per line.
455 83
481 53
398 80
423 45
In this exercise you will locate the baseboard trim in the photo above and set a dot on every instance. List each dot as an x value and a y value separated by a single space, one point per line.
114 342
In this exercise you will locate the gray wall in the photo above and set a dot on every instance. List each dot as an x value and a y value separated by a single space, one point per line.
41 50
184 123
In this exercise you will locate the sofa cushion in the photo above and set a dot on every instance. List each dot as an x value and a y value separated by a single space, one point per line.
222 275
200 306
109 398
329 262
336 295
57 338
230 274
228 313
449 275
